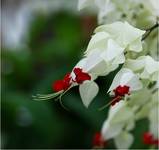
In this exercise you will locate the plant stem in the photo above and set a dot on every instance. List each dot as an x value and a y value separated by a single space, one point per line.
149 30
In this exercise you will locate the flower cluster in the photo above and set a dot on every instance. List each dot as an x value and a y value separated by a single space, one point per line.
134 89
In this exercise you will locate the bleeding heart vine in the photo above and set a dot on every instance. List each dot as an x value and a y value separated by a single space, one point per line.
134 90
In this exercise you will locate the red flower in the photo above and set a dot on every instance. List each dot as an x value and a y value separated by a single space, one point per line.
58 85
62 84
98 140
121 90
149 139
81 76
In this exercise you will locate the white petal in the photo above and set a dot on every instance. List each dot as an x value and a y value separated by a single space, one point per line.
123 115
113 111
140 97
126 77
130 125
135 64
119 60
123 33
134 83
98 41
119 115
93 59
81 63
116 82
124 140
111 131
112 51
151 65
136 45
88 90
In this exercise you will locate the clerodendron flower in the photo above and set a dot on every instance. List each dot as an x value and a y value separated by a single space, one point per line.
134 91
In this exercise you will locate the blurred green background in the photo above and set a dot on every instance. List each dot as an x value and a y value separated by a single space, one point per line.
55 44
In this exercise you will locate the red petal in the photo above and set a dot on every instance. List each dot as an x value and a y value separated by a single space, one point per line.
66 81
148 138
58 85
81 76
77 71
121 90
155 142
98 140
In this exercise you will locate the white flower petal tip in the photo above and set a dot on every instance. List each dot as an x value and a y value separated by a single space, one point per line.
88 90
124 140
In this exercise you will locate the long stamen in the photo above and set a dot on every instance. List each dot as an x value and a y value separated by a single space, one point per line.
39 97
103 107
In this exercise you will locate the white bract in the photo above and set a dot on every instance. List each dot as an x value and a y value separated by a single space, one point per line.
145 66
88 89
119 116
124 34
124 140
106 48
126 77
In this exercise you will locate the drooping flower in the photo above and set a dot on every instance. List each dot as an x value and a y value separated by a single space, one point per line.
123 84
87 87
120 120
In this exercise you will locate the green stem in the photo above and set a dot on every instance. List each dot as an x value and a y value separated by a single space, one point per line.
149 30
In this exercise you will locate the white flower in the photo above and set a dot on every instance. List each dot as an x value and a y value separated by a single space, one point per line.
124 34
109 45
88 89
119 116
146 66
111 53
126 77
